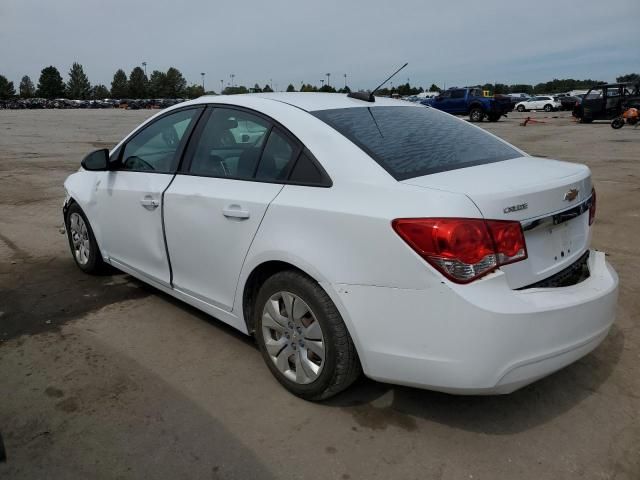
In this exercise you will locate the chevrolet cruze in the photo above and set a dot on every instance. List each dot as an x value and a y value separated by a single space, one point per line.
353 235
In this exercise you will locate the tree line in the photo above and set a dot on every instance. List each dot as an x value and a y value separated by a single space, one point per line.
172 84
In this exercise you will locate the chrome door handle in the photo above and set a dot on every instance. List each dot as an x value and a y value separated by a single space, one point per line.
235 211
149 203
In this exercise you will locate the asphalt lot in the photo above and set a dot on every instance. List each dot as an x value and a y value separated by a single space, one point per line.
103 377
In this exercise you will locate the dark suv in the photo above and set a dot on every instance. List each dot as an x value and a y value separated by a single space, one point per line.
607 101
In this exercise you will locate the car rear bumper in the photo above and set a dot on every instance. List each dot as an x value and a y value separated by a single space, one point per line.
483 338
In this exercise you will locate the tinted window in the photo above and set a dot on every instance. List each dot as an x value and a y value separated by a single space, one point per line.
155 148
306 171
277 157
457 94
230 144
414 141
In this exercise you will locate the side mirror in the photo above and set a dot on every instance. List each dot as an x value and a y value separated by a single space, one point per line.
96 161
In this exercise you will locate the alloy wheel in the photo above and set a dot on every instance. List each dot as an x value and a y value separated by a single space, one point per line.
79 238
293 337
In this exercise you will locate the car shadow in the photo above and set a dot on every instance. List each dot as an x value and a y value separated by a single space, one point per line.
376 405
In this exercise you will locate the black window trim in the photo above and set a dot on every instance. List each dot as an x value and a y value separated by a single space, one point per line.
189 151
116 162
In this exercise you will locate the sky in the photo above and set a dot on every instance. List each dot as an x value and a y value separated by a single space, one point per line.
450 43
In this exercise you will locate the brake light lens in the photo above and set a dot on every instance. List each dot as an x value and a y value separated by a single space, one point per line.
463 249
592 207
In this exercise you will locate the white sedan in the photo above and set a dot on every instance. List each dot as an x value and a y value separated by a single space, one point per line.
352 235
546 103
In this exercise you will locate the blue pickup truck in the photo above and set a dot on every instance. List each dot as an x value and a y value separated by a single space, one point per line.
469 101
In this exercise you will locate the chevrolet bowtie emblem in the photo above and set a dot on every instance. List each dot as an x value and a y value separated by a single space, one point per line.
571 195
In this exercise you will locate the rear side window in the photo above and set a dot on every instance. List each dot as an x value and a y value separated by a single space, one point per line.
413 141
277 158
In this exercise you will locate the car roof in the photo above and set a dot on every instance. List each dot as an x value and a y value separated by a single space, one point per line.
307 101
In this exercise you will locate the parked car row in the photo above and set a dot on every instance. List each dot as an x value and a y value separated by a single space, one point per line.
63 103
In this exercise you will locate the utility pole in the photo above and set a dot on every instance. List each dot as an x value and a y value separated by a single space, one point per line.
203 90
221 86
144 64
233 75
328 79
345 81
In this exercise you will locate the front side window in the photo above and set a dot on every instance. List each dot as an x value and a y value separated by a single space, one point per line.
412 141
156 147
457 94
230 144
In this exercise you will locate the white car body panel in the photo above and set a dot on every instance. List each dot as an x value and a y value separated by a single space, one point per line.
539 104
410 324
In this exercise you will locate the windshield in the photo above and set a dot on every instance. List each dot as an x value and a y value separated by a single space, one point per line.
413 141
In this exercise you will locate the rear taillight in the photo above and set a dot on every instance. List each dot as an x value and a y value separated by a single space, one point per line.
592 207
463 249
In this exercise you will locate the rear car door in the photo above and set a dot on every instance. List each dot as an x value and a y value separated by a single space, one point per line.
130 196
234 167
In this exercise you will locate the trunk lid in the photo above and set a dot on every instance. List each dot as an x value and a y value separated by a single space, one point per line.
530 190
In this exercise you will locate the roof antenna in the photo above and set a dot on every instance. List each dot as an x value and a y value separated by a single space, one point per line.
368 97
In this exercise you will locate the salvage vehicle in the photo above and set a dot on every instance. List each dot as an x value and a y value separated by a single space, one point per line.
607 101
546 103
470 101
351 234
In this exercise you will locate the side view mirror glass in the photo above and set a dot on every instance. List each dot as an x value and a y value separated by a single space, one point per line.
96 161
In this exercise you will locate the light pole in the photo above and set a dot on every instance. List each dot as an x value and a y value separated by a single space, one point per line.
203 90
221 86
144 64
233 75
345 81
321 82
328 79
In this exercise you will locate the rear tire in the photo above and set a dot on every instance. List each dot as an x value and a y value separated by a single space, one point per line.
302 337
548 108
476 114
82 242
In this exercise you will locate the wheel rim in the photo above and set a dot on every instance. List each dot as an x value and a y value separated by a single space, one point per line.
521 108
475 115
293 337
79 238
547 108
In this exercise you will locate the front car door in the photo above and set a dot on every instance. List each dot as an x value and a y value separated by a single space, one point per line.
130 197
234 168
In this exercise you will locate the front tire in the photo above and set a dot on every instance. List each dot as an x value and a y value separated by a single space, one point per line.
82 242
302 337
476 114
520 108
617 123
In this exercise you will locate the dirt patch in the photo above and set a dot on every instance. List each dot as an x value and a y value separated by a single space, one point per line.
37 296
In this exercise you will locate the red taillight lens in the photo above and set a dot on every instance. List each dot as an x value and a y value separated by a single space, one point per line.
592 207
463 249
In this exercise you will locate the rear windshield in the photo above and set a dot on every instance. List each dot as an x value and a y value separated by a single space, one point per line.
412 141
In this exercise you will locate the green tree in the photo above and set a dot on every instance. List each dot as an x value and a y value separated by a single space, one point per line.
27 89
7 89
99 92
138 83
434 88
120 85
256 89
194 91
327 88
78 86
267 88
176 84
50 84
291 88
158 84
521 88
629 77
236 90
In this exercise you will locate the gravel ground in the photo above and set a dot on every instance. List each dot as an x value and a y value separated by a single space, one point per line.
103 377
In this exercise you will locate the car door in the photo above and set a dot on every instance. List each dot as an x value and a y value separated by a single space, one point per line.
443 101
130 197
234 167
457 102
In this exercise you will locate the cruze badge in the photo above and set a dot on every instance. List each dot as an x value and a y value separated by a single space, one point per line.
516 208
571 195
